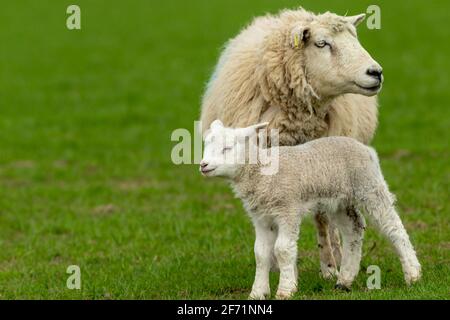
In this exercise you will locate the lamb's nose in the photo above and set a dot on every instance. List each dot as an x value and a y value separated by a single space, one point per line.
375 72
203 164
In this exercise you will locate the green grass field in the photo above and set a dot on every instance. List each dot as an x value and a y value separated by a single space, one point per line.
86 176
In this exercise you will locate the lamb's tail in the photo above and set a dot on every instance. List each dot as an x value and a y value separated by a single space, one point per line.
374 157
380 189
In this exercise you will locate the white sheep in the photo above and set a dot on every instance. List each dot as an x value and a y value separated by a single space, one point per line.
309 77
337 176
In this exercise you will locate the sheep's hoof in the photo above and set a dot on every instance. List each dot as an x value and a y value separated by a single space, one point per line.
342 287
328 272
274 268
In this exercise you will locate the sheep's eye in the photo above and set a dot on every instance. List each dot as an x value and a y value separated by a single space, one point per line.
321 44
226 149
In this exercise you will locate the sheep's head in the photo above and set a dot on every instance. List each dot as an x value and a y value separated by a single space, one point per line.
334 61
227 149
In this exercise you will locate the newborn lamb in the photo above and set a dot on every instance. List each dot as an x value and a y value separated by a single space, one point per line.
336 176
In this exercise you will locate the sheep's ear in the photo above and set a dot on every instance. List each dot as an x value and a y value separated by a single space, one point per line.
216 124
299 34
248 131
356 20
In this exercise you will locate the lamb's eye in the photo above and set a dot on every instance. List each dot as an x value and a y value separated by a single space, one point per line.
321 44
226 149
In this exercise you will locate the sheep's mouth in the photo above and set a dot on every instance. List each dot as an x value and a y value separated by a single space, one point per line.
374 88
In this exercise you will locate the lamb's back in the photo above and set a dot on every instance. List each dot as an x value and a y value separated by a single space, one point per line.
326 167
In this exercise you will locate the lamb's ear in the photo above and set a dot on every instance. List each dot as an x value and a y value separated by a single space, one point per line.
216 124
299 34
248 131
356 20
261 125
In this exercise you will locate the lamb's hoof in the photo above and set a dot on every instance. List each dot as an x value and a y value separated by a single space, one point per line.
284 295
342 287
259 295
413 276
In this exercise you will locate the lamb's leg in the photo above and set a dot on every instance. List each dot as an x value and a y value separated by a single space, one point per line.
264 244
352 225
389 223
328 266
286 254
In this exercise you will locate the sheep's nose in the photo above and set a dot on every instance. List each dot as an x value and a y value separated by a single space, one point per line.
203 164
375 71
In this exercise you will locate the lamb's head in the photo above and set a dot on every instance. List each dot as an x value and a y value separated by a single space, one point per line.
334 61
226 149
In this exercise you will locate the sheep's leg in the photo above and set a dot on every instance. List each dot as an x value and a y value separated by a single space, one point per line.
264 243
352 225
389 223
286 254
328 266
335 241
